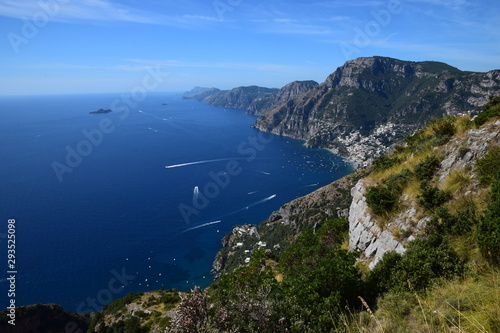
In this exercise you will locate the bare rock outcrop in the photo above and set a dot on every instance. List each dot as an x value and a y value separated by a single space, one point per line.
365 235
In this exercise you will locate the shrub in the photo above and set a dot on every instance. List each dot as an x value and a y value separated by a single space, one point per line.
170 298
445 223
378 280
140 314
380 199
120 303
192 312
334 231
489 227
425 261
320 278
385 162
397 182
492 109
426 168
443 130
432 197
244 300
485 115
462 151
488 167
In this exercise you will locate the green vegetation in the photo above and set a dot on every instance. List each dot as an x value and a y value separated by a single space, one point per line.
489 228
487 167
149 310
385 162
381 199
306 291
398 182
437 133
120 303
425 170
492 109
425 261
128 325
432 197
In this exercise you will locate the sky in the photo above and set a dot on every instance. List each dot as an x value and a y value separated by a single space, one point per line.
102 46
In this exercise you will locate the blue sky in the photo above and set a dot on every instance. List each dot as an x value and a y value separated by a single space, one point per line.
87 46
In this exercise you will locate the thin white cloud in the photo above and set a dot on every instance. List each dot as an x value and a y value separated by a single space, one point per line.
76 11
347 4
454 4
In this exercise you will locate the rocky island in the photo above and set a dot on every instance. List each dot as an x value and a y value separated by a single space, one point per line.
101 111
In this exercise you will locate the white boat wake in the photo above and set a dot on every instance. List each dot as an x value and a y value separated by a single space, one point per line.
202 225
200 162
250 205
261 201
310 185
239 210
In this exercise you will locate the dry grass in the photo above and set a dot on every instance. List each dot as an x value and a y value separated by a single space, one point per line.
457 181
468 306
410 160
471 305
462 125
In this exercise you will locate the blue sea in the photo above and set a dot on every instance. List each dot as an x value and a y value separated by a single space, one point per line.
137 199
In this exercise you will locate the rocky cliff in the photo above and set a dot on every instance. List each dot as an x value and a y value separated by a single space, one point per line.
255 100
374 235
262 105
369 103
237 98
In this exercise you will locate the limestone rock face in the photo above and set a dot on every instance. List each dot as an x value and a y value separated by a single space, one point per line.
364 233
289 92
463 151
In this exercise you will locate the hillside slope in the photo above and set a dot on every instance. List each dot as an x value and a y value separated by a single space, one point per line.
451 170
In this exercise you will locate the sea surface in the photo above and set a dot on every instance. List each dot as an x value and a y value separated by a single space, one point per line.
137 199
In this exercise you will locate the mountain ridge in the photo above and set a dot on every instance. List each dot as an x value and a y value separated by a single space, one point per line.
368 104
